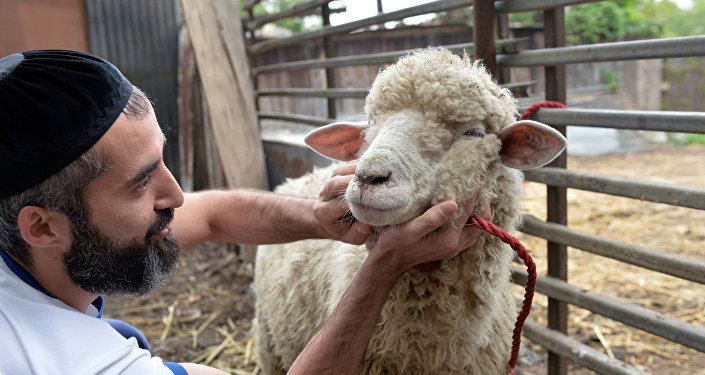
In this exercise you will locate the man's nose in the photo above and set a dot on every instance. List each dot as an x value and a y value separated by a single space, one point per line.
169 194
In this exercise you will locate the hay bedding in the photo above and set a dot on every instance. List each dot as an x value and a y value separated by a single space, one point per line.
203 315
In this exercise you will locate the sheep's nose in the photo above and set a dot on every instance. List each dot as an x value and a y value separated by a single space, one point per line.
376 178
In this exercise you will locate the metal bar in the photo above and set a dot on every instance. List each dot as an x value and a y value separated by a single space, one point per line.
576 351
669 121
291 117
556 197
676 195
516 88
639 317
433 7
254 60
483 33
631 50
326 93
296 10
503 46
329 53
503 32
660 261
514 6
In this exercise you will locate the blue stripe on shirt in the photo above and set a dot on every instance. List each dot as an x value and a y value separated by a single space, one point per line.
176 368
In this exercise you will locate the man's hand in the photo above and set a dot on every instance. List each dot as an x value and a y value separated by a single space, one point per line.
332 212
338 348
423 239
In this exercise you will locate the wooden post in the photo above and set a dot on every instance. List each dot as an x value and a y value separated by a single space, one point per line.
215 28
483 33
216 35
556 200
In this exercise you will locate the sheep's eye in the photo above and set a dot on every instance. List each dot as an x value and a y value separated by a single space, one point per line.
475 133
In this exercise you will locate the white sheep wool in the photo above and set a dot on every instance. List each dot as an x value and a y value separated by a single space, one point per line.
437 128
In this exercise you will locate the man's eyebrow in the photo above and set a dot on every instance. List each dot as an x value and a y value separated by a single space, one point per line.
143 173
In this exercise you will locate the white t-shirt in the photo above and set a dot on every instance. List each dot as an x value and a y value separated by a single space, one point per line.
42 335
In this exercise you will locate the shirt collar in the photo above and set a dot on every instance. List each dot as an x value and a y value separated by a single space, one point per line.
24 275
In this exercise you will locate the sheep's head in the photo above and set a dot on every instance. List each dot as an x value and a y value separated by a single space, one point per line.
436 123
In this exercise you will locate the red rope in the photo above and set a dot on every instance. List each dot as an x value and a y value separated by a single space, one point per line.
536 106
530 282
521 251
523 254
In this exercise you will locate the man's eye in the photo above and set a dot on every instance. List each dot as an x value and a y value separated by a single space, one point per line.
144 184
474 133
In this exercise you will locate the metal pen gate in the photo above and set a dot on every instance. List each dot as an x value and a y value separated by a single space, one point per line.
500 53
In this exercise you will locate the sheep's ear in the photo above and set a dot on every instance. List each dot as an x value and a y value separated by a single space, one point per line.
529 144
339 141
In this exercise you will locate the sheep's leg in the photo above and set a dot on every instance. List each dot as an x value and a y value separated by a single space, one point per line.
268 362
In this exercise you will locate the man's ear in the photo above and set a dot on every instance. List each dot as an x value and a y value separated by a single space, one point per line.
529 144
339 141
41 227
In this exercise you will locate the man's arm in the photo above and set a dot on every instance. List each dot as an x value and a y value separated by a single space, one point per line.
259 217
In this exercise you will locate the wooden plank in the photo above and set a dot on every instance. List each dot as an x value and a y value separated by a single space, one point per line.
216 34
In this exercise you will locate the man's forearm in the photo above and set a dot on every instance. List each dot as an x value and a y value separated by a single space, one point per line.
245 216
258 217
339 347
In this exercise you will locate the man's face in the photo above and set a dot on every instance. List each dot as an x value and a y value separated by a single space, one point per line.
125 244
100 264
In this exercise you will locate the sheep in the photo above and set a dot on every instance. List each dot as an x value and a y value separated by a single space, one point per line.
438 129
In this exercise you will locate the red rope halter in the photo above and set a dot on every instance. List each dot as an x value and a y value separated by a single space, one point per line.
522 253
530 282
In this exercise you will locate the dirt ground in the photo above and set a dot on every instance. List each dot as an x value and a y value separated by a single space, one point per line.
204 314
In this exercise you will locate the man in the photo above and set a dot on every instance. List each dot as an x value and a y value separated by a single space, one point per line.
87 207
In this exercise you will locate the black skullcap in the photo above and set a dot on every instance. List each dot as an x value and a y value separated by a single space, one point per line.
54 106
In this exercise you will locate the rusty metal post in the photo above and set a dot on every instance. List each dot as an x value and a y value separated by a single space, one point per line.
503 32
330 52
254 62
556 200
483 33
380 10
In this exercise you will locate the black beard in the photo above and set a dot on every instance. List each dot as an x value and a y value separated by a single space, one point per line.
100 265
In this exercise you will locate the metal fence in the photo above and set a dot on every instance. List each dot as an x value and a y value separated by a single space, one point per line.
141 37
499 54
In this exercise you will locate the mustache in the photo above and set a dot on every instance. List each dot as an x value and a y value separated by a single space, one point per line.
164 217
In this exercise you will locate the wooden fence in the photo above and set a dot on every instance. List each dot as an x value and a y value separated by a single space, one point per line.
499 52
